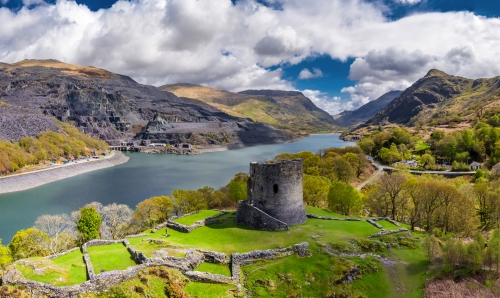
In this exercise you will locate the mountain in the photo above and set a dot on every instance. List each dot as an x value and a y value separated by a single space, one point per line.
113 107
284 109
439 97
365 112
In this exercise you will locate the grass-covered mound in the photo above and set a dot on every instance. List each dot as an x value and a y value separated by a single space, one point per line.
191 219
230 238
317 276
66 270
110 257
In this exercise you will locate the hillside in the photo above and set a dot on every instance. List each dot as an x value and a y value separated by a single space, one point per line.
439 98
365 112
283 109
113 107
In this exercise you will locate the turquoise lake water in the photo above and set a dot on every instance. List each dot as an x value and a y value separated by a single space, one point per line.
143 176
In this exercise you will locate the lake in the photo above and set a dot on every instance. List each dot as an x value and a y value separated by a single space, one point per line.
143 176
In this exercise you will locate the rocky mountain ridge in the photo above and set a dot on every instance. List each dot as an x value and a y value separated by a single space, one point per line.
289 110
438 93
113 107
365 112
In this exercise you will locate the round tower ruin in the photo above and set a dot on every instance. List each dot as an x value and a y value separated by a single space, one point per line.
275 189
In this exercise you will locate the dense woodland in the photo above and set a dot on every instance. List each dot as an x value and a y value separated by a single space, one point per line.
459 147
48 146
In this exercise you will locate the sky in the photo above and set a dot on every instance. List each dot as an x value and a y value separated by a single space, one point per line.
340 53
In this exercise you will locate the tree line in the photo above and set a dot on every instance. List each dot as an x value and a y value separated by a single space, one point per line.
460 147
48 145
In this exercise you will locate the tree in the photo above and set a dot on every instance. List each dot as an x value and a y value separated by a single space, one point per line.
5 256
342 170
189 200
367 145
431 245
494 248
413 191
29 243
427 160
392 185
153 211
116 218
481 194
344 199
237 191
89 224
54 226
315 190
357 162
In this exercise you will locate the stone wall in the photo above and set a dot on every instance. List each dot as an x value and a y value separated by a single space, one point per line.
99 242
383 233
332 218
186 229
62 253
253 217
101 282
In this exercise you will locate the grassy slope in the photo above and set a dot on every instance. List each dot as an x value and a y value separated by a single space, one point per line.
110 257
198 289
66 270
191 219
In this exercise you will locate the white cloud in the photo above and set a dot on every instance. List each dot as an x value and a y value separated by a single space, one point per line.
216 43
307 74
32 2
410 2
332 105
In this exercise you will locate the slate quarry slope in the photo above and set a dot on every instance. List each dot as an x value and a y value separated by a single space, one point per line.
113 107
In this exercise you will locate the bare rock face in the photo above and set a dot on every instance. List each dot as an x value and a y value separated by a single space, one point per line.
112 107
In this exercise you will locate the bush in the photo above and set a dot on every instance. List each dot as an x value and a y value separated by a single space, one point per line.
459 167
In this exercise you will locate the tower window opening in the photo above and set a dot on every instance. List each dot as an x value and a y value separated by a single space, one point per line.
275 188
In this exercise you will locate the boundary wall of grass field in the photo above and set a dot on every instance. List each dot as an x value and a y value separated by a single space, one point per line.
102 282
186 229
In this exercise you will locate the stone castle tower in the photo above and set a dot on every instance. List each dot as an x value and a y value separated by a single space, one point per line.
275 197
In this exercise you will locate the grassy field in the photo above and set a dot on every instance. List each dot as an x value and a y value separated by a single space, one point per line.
323 212
314 276
401 272
62 271
222 269
201 290
421 146
110 257
229 238
191 219
150 248
387 225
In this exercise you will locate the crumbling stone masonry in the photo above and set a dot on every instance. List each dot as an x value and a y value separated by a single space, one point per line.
275 196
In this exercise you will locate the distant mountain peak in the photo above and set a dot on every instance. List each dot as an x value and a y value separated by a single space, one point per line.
435 73
365 112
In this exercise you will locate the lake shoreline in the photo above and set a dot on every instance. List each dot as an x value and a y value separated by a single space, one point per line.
28 180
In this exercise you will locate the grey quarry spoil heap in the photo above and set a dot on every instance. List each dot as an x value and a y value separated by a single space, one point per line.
275 196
